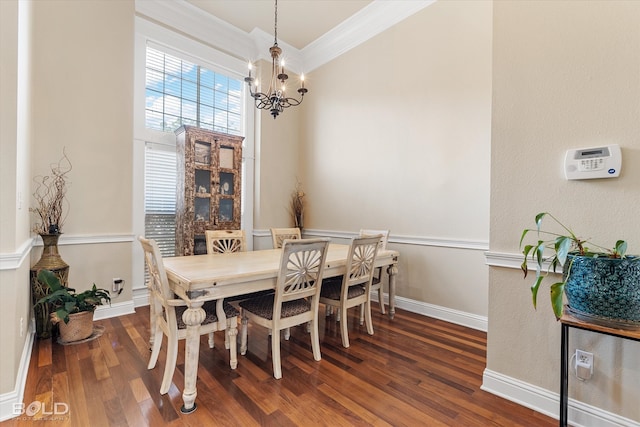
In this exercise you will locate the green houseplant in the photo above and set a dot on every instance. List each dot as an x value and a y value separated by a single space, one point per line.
605 280
70 307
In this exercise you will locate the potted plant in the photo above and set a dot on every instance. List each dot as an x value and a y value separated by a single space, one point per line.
73 311
601 284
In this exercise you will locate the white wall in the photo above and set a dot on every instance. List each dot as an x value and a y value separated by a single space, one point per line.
15 300
565 75
67 83
83 103
397 135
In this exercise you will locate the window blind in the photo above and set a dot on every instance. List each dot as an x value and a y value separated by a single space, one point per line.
160 196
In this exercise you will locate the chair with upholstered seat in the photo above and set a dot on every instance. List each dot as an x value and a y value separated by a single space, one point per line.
376 283
166 316
295 301
279 235
353 288
225 241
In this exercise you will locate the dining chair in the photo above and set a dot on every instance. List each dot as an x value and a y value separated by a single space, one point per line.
225 241
354 288
228 241
295 301
166 316
278 235
376 283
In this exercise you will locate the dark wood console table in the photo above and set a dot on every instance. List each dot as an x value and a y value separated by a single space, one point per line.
568 321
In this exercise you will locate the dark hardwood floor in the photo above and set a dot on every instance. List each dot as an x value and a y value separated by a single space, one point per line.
414 370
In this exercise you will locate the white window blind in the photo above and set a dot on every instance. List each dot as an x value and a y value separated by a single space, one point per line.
179 92
160 196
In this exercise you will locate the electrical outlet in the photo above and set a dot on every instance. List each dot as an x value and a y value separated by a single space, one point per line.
117 283
584 364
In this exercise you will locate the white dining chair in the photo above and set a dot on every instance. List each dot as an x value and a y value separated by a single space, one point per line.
225 241
279 235
376 283
166 316
354 287
295 300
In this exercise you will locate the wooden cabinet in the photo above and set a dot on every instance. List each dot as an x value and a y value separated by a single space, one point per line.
209 186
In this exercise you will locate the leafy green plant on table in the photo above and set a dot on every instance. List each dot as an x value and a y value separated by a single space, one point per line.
562 245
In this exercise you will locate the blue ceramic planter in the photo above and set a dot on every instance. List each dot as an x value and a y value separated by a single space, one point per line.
604 289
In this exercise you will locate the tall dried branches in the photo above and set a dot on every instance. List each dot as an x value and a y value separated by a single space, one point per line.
297 205
50 198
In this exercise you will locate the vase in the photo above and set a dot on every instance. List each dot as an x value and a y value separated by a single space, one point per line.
604 291
49 260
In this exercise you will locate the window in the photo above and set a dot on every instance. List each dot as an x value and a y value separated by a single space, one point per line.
179 92
160 196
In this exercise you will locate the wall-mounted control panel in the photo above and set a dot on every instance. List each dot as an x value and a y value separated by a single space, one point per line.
596 162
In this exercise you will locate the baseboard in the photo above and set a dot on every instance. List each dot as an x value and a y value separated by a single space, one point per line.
140 297
546 402
114 310
469 320
12 400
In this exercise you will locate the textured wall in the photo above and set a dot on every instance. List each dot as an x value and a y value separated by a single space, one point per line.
397 135
565 75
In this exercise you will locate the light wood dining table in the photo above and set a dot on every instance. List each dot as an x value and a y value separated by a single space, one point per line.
200 278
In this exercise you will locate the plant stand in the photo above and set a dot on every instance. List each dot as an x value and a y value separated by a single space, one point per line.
50 260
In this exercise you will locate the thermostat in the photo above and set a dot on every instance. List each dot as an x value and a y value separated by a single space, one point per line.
596 162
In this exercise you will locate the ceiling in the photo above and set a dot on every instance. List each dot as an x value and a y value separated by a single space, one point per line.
300 22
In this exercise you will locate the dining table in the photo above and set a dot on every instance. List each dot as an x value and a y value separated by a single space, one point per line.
200 278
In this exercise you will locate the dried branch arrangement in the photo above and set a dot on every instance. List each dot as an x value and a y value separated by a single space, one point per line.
50 198
297 205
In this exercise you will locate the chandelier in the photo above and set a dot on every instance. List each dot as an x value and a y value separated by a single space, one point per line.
275 99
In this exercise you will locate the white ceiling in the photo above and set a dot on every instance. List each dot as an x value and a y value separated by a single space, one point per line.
300 22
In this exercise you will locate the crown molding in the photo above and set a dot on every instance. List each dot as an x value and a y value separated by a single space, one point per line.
370 21
194 23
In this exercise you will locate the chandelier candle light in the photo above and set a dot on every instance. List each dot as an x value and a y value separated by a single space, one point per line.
275 100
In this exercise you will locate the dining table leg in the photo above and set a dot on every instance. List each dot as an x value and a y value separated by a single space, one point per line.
392 270
193 318
230 327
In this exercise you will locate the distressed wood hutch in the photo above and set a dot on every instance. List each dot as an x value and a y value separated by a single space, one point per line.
208 186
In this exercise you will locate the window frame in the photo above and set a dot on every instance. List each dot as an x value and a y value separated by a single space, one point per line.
173 43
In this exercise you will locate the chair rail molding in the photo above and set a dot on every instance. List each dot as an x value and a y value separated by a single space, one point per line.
90 239
13 260
511 260
479 245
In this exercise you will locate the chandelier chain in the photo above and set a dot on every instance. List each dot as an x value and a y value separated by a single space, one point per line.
275 26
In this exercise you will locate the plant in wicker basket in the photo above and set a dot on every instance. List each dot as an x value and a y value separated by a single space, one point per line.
67 303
